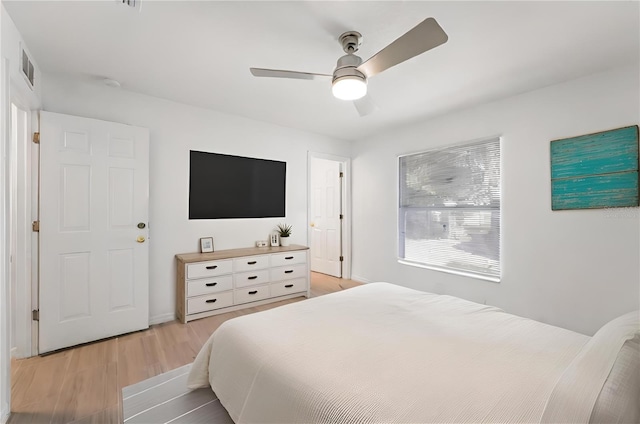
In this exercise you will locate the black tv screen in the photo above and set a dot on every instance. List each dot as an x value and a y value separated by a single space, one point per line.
225 186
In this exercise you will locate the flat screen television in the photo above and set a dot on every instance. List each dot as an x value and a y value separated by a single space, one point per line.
225 186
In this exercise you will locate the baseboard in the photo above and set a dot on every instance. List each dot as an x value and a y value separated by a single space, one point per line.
19 354
4 415
360 279
159 319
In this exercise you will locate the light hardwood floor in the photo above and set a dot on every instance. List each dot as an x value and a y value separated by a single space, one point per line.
83 384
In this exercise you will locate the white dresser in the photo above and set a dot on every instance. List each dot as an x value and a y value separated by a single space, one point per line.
227 280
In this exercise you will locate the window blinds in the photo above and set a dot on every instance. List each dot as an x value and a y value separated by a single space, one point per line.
449 208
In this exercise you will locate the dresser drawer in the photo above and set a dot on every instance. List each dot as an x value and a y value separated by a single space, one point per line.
289 272
282 259
251 278
209 285
284 288
250 263
209 302
251 294
208 269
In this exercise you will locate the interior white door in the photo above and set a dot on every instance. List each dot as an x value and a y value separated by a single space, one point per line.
325 223
94 201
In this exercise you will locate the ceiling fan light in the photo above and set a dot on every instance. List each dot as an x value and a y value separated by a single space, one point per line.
349 87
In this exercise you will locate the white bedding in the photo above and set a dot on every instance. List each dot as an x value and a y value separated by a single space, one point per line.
381 353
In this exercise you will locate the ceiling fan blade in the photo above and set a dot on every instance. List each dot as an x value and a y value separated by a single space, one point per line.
424 36
277 73
365 105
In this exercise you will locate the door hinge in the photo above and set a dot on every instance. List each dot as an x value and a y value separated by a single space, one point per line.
35 226
341 258
341 175
35 315
36 137
341 216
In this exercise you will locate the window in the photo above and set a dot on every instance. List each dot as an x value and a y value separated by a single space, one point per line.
449 201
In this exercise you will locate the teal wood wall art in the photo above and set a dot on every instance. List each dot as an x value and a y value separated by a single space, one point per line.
595 170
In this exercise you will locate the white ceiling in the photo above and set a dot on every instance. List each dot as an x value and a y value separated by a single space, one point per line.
199 53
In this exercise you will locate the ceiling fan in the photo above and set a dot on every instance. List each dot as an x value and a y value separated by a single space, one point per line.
349 78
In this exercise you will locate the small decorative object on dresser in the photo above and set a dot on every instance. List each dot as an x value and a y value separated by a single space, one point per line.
284 231
227 280
206 245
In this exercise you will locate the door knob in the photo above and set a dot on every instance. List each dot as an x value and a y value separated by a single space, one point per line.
312 224
140 239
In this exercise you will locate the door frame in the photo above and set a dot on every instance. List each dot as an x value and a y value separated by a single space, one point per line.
345 205
24 249
5 304
26 261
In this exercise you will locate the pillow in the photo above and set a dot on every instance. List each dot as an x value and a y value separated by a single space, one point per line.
601 366
619 399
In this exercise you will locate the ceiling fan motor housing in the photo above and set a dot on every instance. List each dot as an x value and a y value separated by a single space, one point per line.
348 82
347 67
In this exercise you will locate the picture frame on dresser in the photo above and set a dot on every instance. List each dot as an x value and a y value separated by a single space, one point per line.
206 245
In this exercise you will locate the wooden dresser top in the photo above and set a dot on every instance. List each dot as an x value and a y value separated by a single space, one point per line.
236 253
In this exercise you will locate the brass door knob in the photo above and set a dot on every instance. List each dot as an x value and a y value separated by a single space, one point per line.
312 224
140 239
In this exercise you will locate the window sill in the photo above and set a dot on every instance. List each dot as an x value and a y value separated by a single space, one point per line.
450 271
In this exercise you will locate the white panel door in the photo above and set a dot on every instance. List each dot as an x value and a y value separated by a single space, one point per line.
325 223
94 197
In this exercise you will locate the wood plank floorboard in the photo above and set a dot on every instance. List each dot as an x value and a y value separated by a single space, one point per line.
83 385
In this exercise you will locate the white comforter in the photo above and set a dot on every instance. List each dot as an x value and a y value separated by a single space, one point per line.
381 353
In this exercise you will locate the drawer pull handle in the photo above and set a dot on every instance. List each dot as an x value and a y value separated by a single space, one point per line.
253 277
211 284
252 263
211 300
288 286
212 267
253 292
289 257
289 271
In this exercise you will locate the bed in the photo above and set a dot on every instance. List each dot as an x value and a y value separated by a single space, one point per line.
381 353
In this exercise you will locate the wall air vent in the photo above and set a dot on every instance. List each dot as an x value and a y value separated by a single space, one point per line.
134 4
27 69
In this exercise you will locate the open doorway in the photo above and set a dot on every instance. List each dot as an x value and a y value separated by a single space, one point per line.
329 230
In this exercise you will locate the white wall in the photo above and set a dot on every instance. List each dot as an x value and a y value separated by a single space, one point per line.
574 269
174 130
12 43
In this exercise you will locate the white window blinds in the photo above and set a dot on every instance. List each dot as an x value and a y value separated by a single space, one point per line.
449 215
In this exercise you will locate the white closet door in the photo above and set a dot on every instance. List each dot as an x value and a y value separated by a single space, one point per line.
94 201
326 236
